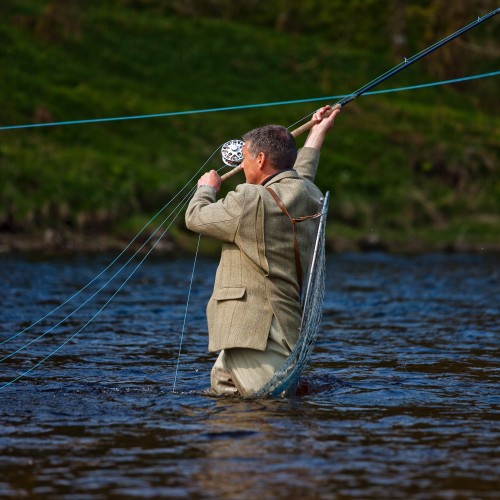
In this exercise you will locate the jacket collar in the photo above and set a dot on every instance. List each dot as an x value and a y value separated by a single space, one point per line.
280 175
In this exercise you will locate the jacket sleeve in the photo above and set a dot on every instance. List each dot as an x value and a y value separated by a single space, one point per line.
218 219
307 163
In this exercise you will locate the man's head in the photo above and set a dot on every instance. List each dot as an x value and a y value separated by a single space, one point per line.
267 149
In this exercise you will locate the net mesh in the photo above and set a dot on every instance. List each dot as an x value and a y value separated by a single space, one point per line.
285 380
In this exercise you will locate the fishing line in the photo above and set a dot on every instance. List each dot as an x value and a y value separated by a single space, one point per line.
179 208
185 313
244 106
398 89
119 255
181 204
97 313
433 84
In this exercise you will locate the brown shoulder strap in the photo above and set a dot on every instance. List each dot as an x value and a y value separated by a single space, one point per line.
293 220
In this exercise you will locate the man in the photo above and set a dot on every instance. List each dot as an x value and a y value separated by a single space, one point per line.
254 313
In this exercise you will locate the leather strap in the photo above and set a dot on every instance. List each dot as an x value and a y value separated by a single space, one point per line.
294 221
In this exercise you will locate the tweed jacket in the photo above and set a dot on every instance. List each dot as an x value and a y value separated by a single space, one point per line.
256 277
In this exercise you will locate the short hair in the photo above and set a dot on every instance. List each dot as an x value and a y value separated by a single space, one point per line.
276 142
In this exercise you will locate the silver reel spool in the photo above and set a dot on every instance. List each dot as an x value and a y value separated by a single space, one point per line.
231 152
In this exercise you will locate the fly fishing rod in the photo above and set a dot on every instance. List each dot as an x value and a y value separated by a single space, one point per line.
232 151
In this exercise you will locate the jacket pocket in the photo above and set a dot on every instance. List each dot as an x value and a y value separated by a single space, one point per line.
229 293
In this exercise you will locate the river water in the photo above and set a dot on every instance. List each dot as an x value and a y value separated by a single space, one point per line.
400 400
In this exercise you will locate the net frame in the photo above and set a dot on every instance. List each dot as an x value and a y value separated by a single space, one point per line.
286 379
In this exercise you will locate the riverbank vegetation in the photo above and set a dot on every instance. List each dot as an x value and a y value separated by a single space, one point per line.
414 169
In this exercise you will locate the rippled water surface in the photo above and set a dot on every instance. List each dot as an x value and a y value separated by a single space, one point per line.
400 399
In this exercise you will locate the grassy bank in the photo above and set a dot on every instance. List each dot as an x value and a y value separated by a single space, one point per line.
410 166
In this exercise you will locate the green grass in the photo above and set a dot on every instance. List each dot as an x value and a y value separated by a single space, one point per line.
416 162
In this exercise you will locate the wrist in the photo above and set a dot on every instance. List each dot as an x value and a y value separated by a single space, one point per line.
315 139
207 186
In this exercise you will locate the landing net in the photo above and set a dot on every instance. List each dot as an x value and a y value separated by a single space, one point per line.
285 381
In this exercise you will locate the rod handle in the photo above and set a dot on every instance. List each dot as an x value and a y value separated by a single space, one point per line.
229 174
309 124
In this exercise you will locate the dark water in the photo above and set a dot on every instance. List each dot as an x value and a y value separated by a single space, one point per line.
400 399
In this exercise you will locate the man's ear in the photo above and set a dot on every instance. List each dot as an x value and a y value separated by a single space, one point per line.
261 160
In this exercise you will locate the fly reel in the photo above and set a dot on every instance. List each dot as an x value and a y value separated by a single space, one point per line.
231 152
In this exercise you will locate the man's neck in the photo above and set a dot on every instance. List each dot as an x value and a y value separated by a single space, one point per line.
274 174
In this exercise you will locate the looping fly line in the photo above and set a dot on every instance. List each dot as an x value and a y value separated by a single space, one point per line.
177 210
152 240
246 106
